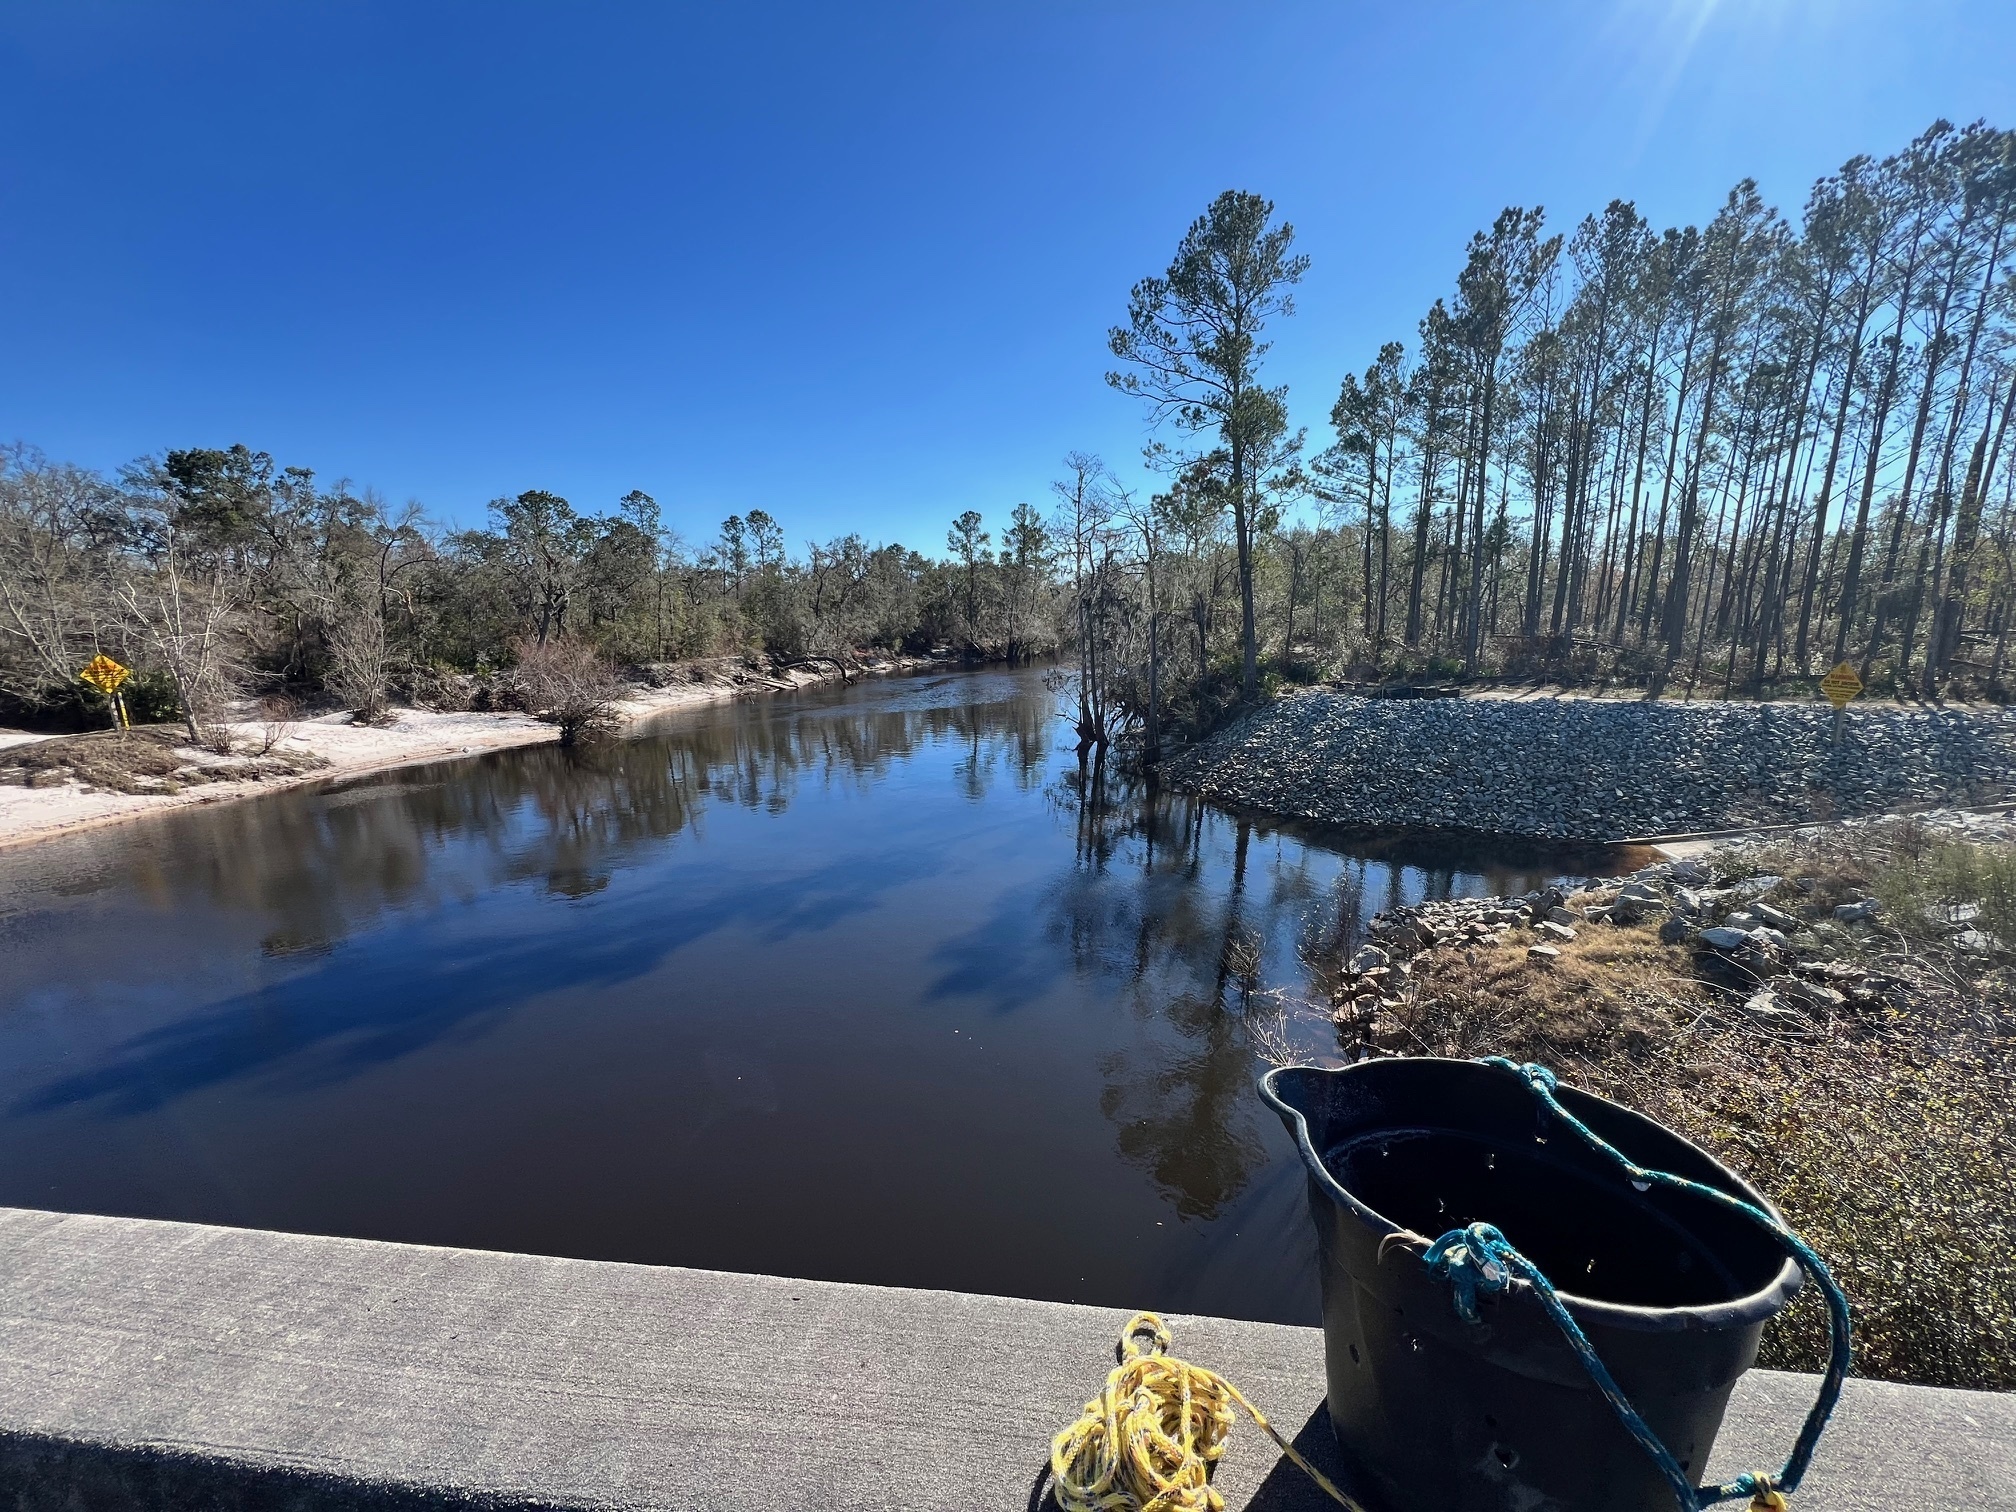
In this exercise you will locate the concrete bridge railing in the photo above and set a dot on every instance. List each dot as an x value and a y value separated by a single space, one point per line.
166 1365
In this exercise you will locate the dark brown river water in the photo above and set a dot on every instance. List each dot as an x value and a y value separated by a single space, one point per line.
862 984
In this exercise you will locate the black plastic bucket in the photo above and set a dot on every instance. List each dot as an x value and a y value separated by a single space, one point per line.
1435 1414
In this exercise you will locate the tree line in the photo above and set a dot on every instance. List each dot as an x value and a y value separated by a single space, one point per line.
1732 454
217 573
1736 453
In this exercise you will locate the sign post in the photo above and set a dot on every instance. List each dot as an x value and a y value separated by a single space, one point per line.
1841 685
105 674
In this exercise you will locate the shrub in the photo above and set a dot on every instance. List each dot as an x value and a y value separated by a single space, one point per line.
571 684
1925 878
433 685
358 664
151 699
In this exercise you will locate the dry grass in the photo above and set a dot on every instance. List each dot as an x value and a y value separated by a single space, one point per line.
1611 992
150 759
1886 1132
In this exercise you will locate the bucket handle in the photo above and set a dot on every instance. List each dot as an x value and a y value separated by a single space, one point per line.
1478 1260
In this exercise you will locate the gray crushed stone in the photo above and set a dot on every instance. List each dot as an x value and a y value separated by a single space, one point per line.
1593 770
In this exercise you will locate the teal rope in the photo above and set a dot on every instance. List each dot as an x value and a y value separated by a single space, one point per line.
1479 1261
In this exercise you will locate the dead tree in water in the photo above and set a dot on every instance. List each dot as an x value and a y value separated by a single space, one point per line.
1085 522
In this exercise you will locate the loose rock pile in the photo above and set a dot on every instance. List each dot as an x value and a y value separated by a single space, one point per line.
1593 770
1782 956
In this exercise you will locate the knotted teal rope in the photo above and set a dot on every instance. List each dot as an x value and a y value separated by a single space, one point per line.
1478 1261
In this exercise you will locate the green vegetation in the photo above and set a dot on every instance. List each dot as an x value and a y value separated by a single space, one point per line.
1734 454
221 573
1727 456
1931 882
1724 456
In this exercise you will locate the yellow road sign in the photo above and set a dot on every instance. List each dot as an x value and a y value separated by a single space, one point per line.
1841 685
104 674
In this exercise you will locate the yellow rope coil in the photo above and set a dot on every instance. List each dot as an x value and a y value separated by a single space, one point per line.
1148 1441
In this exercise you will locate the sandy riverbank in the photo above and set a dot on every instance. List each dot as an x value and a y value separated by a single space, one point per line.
414 736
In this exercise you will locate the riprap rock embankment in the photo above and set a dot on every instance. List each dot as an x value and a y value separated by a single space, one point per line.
1593 769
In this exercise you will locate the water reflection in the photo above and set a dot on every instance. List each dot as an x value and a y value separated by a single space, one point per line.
322 869
874 983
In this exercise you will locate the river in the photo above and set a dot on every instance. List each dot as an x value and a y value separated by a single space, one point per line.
861 983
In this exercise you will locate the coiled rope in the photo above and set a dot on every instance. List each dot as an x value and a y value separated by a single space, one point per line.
1149 1440
1478 1261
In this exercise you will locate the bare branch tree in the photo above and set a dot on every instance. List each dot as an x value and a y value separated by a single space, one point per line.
185 617
571 684
358 659
58 527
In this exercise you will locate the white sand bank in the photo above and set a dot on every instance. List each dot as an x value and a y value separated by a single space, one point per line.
415 735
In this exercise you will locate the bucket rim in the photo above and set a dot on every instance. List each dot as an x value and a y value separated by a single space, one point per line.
1735 1312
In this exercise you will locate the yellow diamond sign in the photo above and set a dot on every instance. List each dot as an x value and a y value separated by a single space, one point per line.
104 674
1841 685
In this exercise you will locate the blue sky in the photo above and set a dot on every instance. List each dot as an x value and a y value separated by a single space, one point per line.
850 264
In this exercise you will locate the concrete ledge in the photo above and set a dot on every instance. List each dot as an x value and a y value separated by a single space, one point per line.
166 1365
